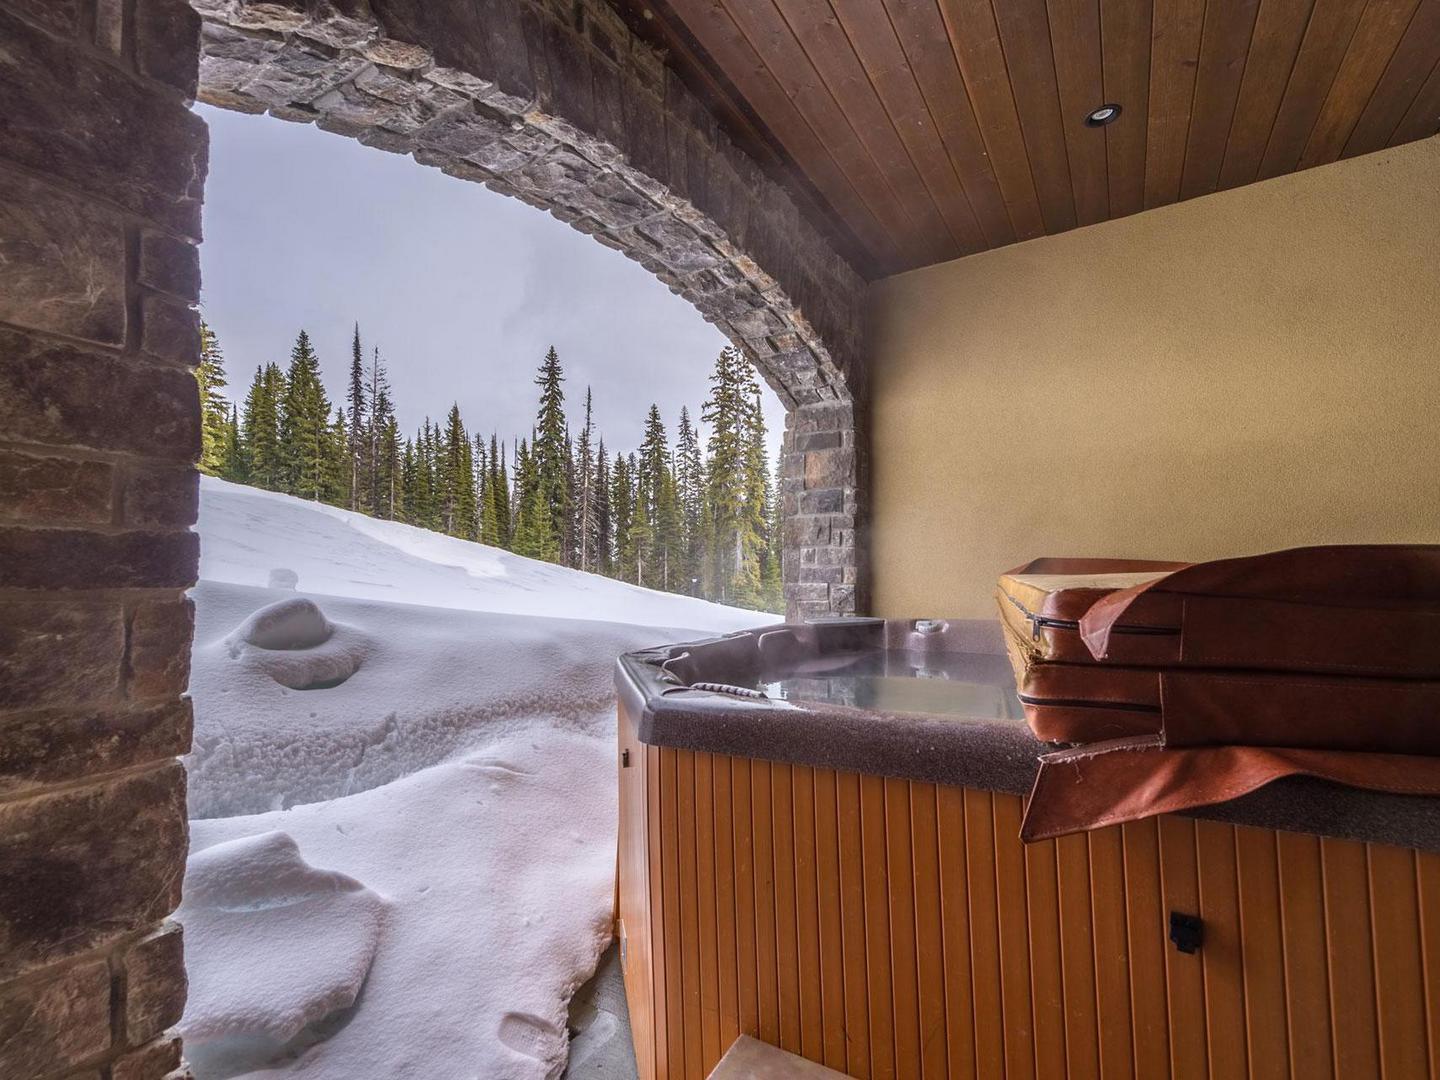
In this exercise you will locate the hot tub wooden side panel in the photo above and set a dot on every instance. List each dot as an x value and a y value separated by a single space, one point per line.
634 883
889 928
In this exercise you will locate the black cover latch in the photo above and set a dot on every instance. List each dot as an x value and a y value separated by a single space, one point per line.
1186 931
624 759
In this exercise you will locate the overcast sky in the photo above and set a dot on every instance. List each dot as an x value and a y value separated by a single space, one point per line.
462 289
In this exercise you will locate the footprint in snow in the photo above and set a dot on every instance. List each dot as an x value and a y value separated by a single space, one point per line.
528 1034
496 768
294 643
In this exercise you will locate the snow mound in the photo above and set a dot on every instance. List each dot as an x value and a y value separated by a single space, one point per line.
274 946
293 643
283 578
498 877
286 624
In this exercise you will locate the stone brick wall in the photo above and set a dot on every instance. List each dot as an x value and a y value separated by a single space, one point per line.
101 170
557 103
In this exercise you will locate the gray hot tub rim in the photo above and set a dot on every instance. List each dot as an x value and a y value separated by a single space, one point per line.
657 687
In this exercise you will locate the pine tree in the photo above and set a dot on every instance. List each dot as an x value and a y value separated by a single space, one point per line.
528 539
709 560
421 486
358 439
447 471
229 441
622 512
503 500
727 413
261 455
378 460
455 478
640 538
251 434
409 485
604 525
667 534
234 465
480 474
495 523
387 480
335 480
214 409
304 424
467 502
434 457
427 511
759 493
653 453
662 504
570 547
772 578
585 496
690 488
549 453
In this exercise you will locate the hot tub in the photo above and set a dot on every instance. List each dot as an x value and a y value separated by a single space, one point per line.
818 848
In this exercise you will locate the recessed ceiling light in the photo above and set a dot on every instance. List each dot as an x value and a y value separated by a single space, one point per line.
1105 114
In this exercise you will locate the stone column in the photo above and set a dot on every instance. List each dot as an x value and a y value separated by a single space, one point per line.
820 488
101 170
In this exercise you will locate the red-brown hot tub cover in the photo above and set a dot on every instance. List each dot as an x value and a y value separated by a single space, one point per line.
1320 661
1110 783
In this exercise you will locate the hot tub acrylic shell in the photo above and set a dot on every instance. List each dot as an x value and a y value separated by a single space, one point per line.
889 923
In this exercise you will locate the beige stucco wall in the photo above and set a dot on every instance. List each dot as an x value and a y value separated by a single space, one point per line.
1251 370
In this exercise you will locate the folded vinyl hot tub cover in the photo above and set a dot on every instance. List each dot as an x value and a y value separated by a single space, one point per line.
1329 658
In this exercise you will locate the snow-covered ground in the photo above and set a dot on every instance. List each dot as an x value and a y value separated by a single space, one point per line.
246 533
402 793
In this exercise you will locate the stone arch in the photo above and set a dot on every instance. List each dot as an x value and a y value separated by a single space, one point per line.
561 106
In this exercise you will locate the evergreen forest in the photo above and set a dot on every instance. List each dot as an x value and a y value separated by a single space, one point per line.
688 513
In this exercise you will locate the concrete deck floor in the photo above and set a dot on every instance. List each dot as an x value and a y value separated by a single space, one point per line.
600 1047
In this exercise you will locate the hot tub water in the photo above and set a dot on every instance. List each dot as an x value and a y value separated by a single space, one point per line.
977 686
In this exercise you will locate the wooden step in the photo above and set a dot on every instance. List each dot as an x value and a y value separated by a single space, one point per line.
750 1059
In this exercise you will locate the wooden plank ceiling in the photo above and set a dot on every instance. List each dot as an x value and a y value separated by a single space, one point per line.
930 129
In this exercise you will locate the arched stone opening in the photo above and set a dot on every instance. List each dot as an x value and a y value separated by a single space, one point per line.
561 106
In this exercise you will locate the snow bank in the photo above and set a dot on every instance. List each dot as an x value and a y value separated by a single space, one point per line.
393 688
419 733
285 946
497 874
